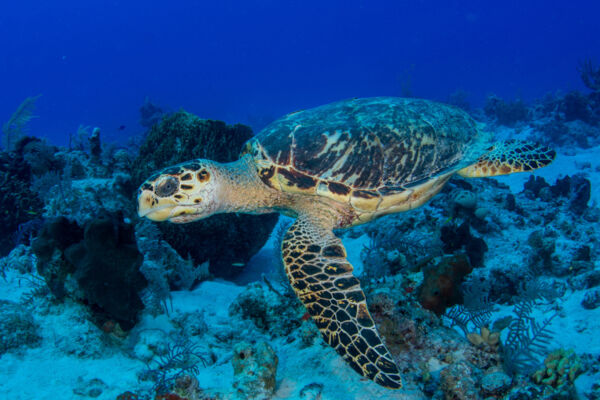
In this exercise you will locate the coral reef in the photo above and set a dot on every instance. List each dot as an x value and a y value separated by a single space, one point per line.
39 155
228 241
459 381
17 327
574 190
395 247
561 368
506 113
495 384
458 238
164 268
591 299
89 387
575 106
312 391
254 370
179 273
270 312
441 287
102 258
17 200
147 306
54 238
542 248
106 267
20 258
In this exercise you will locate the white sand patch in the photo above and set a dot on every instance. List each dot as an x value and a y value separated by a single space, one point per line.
45 374
212 297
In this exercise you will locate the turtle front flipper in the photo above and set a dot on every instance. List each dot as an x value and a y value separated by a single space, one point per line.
508 157
315 262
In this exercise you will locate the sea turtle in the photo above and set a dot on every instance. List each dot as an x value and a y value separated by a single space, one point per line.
332 167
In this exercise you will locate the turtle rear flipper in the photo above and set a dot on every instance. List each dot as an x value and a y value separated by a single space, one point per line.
507 157
316 265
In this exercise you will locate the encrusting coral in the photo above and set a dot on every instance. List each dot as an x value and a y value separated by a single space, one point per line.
254 370
561 368
441 283
270 312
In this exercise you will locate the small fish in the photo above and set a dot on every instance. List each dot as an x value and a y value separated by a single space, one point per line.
122 127
31 212
238 264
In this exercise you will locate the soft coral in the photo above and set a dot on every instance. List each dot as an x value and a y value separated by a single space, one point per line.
127 396
169 396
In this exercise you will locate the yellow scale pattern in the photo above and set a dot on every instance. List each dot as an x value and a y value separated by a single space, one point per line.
508 157
315 262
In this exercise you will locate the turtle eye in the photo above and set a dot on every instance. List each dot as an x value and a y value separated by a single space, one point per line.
167 186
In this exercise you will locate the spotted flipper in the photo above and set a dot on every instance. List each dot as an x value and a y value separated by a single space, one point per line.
315 262
508 157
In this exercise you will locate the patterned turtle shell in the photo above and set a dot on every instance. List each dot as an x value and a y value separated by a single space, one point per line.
362 150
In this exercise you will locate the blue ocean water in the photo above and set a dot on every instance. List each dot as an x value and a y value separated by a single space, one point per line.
251 61
489 290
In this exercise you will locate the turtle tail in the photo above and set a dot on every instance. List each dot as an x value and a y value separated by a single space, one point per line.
508 157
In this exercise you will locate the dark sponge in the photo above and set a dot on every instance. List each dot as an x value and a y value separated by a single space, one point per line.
227 241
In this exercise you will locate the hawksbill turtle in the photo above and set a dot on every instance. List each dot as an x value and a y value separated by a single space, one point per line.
331 167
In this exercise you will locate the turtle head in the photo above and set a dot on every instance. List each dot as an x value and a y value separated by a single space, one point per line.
182 193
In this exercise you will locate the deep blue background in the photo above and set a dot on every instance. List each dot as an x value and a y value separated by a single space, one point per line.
249 61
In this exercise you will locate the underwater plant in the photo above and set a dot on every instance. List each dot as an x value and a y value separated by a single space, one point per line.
528 340
590 75
476 310
182 357
16 127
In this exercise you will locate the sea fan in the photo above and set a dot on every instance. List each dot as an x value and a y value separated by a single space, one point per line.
528 340
476 310
182 357
16 126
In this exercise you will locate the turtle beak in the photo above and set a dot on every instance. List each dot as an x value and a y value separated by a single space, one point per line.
154 208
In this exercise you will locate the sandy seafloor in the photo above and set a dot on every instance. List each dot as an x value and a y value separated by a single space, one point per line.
61 364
